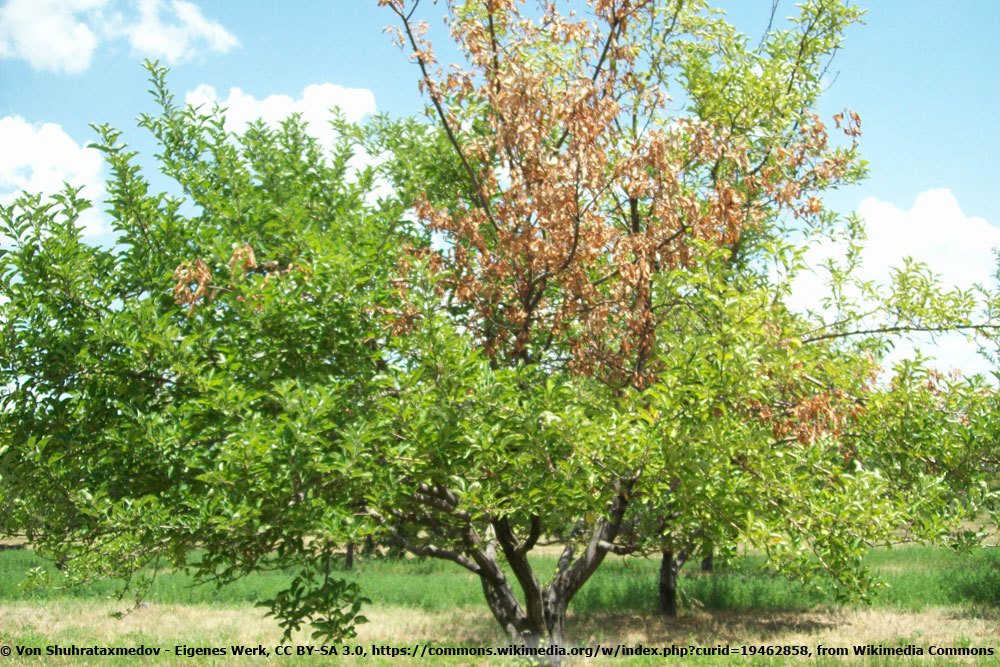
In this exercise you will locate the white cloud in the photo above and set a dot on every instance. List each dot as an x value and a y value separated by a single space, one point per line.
314 105
177 34
63 35
53 35
935 231
39 158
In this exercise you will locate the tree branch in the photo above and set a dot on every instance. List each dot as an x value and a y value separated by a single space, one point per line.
617 549
439 108
902 328
522 570
534 532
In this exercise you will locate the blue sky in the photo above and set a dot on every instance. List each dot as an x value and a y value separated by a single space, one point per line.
923 75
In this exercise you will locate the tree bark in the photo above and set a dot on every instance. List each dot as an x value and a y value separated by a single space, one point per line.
670 567
542 619
547 629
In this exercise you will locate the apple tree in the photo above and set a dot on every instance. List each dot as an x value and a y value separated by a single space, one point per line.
194 389
598 353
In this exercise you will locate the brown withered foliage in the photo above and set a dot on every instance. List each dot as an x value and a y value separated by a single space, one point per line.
193 279
582 188
797 415
242 260
802 408
402 319
192 283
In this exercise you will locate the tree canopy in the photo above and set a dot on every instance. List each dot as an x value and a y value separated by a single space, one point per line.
197 386
633 191
566 324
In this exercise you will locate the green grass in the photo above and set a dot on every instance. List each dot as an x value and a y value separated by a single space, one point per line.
920 577
932 596
915 578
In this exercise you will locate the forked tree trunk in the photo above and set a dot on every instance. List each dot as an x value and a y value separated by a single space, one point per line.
670 567
542 619
544 626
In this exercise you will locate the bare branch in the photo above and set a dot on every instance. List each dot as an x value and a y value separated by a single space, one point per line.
438 504
439 108
535 531
902 328
617 549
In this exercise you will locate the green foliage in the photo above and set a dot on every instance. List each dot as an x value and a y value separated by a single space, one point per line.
272 363
516 442
738 421
196 385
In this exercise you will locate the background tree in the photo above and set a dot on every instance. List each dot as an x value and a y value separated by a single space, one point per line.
824 392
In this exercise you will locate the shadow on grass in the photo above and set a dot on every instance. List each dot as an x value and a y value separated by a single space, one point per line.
702 628
742 587
977 580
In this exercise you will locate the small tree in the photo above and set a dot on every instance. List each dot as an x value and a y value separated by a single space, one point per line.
196 386
815 388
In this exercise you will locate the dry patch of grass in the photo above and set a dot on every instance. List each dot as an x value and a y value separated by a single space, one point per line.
88 623
403 625
169 623
834 627
63 620
85 622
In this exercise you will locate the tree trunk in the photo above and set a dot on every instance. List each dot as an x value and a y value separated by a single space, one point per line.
524 629
670 567
505 608
532 630
349 558
707 563
556 602
542 619
369 549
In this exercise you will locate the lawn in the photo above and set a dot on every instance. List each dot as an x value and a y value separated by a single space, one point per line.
932 596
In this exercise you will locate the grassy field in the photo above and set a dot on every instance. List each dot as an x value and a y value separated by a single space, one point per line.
932 596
